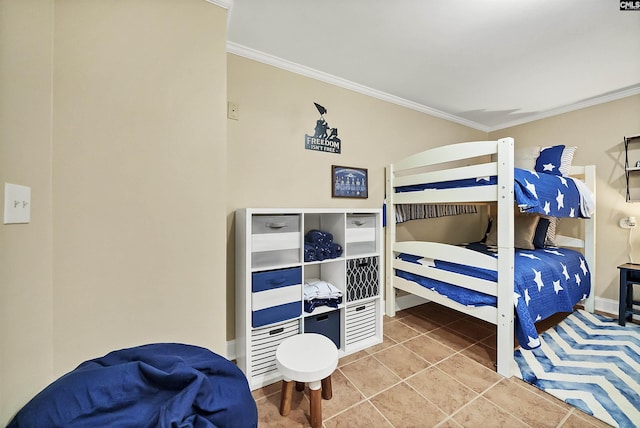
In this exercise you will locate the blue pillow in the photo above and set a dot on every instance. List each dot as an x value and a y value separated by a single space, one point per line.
549 160
540 236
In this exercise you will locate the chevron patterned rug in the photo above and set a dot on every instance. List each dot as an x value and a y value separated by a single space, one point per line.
591 363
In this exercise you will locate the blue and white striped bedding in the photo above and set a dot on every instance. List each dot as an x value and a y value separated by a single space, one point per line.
546 281
535 192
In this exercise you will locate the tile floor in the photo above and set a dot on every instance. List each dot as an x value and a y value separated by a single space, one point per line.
434 368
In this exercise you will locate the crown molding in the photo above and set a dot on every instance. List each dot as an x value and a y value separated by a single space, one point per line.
246 52
571 107
222 3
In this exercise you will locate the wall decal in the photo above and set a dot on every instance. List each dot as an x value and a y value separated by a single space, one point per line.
324 138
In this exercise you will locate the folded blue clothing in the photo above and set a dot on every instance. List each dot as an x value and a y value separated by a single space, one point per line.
309 252
336 250
310 305
319 245
318 237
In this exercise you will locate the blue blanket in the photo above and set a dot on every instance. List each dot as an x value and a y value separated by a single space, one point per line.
546 281
535 192
156 385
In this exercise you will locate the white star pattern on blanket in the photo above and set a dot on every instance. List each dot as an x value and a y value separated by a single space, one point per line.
527 298
529 256
572 213
548 167
538 278
560 200
556 252
547 207
557 287
531 187
583 266
578 280
534 343
564 271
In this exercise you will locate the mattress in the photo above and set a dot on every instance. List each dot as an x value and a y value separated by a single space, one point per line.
546 281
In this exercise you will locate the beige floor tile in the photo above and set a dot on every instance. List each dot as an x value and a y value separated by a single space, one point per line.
405 408
441 389
401 360
269 412
429 348
472 374
440 314
482 413
369 375
449 423
473 328
398 331
352 357
363 415
267 390
420 324
526 404
483 354
345 395
386 342
579 419
451 338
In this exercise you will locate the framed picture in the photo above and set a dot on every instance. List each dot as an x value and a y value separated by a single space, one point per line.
348 182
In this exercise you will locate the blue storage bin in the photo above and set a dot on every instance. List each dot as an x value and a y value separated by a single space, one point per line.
276 296
271 279
326 324
276 313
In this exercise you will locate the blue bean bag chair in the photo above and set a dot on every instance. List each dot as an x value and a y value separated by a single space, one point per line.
156 385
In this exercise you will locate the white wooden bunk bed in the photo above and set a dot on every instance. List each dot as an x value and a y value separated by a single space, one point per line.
475 156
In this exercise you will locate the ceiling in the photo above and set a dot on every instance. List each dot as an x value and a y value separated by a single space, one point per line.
488 64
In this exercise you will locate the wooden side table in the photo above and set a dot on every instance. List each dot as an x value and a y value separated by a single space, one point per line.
629 276
308 357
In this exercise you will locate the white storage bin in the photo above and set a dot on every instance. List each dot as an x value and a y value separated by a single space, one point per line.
360 324
265 341
275 240
360 234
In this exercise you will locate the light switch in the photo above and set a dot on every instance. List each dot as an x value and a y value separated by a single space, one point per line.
17 203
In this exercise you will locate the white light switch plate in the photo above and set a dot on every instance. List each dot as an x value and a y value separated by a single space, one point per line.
17 203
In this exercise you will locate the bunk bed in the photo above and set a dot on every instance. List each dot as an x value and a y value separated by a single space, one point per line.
490 282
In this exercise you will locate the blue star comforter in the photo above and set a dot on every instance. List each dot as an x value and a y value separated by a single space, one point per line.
546 281
155 385
535 192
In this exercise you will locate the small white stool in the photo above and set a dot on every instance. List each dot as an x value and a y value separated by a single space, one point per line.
310 358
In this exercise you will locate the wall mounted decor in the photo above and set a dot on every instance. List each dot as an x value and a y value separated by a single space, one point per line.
324 138
349 182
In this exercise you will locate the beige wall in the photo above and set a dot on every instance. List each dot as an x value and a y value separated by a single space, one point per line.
114 113
597 132
26 334
268 164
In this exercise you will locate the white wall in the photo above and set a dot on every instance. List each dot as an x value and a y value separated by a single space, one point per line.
115 114
598 133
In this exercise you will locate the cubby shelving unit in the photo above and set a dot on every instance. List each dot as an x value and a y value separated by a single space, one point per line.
271 271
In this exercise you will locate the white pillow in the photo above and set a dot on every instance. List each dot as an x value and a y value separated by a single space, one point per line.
523 158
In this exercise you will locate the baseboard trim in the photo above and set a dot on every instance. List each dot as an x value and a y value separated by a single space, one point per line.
607 306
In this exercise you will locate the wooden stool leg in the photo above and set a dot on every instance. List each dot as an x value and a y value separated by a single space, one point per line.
327 392
316 408
286 396
299 386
